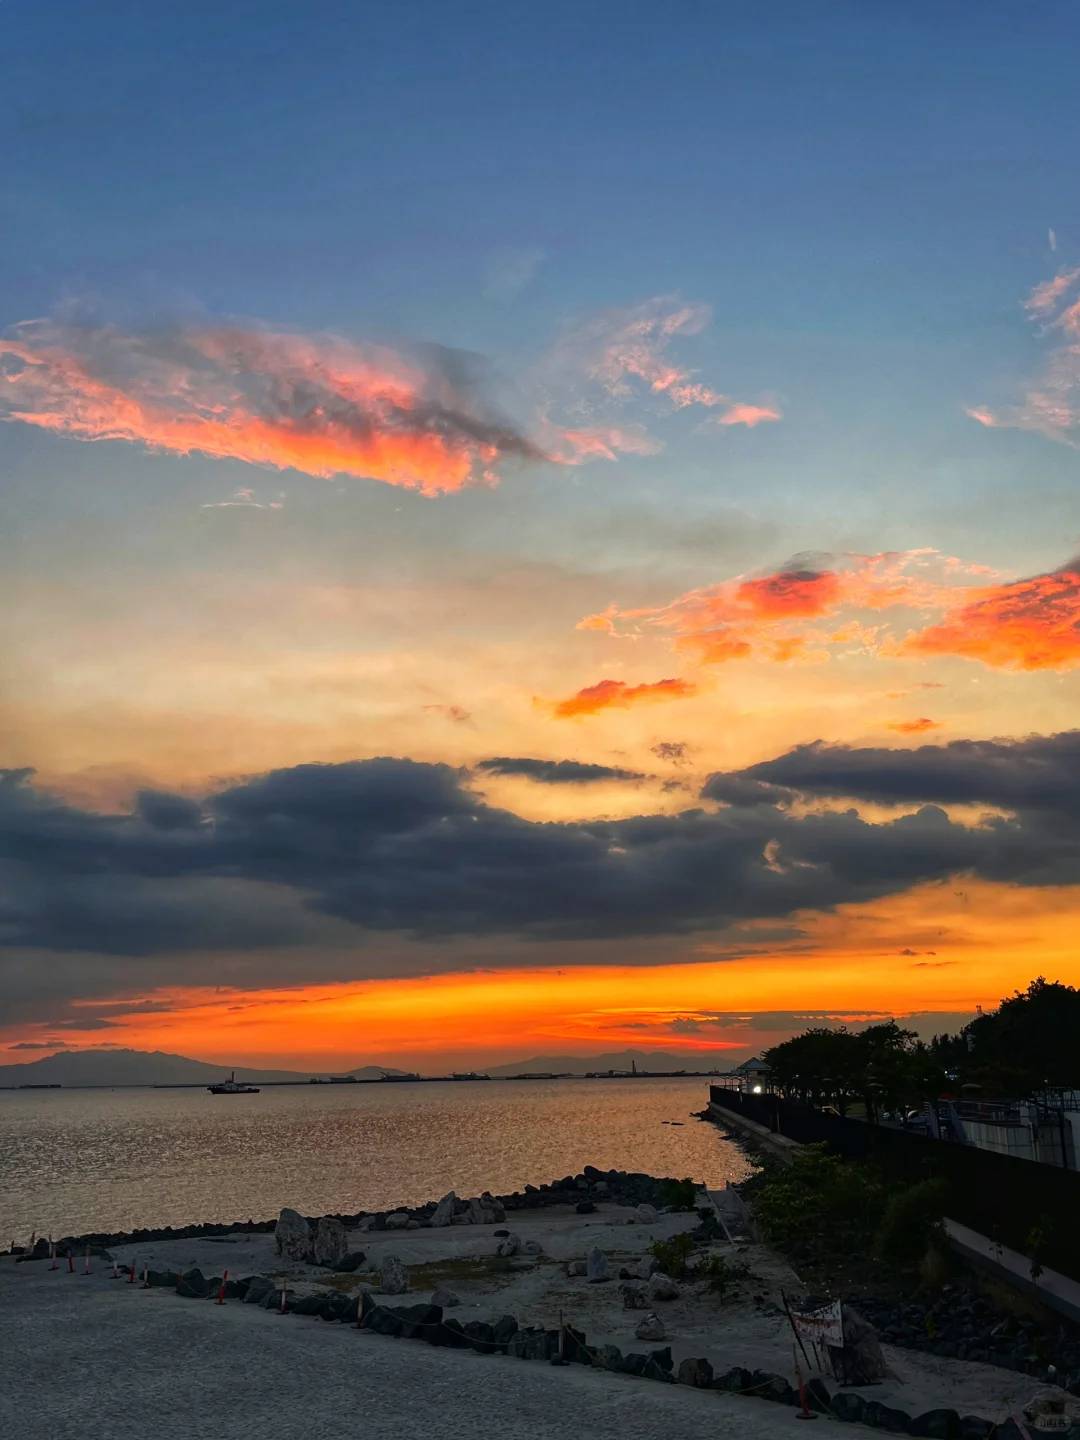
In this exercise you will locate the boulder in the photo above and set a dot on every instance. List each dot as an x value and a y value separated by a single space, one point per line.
257 1287
585 1207
735 1381
480 1336
503 1331
663 1358
449 1334
849 1405
655 1371
331 1244
444 1297
193 1285
768 1386
510 1246
162 1279
333 1306
444 1211
938 1424
310 1304
633 1295
885 1417
596 1266
974 1427
697 1373
576 1267
418 1322
532 1247
383 1321
399 1220
650 1327
609 1357
646 1215
393 1276
859 1361
634 1364
662 1287
349 1262
292 1236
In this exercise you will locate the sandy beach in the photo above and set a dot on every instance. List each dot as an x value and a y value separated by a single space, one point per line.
96 1357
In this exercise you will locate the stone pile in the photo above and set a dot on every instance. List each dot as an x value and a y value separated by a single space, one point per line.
963 1325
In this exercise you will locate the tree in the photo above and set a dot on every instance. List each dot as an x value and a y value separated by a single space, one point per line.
884 1066
1030 1042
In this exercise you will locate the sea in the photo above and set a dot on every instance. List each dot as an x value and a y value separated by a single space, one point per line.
79 1161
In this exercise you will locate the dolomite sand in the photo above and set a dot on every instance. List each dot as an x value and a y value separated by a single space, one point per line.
93 1357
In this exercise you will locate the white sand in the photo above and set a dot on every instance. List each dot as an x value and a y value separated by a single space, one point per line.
95 1357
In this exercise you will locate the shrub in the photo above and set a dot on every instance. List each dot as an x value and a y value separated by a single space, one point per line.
672 1254
911 1221
680 1194
721 1272
819 1197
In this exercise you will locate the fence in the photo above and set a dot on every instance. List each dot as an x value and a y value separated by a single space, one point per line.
1002 1197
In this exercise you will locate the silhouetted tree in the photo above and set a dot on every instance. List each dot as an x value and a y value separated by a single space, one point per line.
1031 1041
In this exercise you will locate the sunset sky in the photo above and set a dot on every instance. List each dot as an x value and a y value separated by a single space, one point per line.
534 531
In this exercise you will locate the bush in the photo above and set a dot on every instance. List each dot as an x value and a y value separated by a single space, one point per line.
672 1254
721 1272
911 1221
680 1194
819 1197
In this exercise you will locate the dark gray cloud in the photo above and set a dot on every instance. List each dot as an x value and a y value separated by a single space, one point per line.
555 772
388 845
1038 773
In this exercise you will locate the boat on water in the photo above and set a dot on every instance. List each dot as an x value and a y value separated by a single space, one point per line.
232 1086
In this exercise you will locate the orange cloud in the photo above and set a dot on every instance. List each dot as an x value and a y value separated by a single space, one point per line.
766 616
322 406
600 442
739 413
608 694
914 727
1026 625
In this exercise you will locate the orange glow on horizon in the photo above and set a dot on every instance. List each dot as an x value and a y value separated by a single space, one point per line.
941 947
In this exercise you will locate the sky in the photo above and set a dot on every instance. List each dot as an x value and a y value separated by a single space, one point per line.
533 531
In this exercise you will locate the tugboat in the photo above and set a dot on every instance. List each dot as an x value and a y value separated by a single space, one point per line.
232 1087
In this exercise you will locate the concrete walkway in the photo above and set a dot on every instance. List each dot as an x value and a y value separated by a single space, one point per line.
97 1359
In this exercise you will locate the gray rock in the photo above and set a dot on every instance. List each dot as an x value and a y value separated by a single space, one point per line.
577 1267
393 1276
398 1220
698 1373
650 1327
331 1243
444 1211
533 1247
503 1331
510 1246
596 1266
633 1295
444 1297
350 1262
292 1236
413 1225
646 1215
480 1214
662 1287
609 1357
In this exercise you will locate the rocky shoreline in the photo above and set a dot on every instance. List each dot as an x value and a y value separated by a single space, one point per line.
621 1186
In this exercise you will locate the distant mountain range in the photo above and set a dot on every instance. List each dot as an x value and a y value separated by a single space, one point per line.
149 1067
155 1067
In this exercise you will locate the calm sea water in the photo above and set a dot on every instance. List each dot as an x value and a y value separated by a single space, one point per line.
73 1161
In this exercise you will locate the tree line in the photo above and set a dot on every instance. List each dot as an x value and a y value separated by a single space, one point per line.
1030 1042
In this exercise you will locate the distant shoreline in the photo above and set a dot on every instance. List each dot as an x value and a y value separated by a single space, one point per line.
384 1080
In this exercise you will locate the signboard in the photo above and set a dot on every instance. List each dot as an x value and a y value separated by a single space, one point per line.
820 1327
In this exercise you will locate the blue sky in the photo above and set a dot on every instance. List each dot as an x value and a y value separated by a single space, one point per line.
850 203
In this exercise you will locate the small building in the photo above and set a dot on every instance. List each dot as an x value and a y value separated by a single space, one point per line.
752 1077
